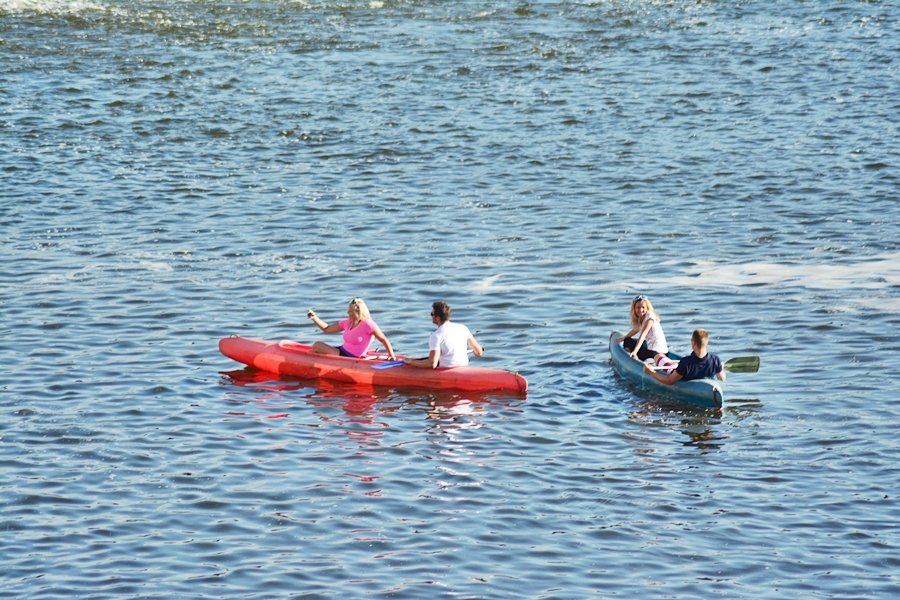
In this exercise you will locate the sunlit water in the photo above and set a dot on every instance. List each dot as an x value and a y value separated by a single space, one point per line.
175 172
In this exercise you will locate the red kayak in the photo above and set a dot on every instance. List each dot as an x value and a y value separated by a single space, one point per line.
297 360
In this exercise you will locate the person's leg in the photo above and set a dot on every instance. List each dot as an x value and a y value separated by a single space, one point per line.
323 348
644 352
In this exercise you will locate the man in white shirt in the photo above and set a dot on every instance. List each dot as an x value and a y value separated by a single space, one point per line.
449 343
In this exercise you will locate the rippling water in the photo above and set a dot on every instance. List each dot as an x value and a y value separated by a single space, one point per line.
175 172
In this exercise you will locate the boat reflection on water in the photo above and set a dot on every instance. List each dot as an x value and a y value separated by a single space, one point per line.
703 428
447 411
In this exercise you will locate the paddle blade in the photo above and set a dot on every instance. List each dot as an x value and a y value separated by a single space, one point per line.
389 364
743 364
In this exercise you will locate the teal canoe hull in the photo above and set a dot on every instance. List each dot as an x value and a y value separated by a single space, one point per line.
703 393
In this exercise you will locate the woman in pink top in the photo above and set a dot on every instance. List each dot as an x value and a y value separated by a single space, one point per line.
358 328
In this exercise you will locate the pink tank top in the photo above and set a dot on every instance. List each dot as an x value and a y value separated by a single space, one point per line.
358 339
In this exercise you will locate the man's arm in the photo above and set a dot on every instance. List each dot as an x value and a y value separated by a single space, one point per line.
669 379
477 348
426 363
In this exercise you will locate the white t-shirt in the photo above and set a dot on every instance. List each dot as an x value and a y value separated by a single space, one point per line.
451 340
656 339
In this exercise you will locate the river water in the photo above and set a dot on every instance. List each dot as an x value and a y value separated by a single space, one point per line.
178 171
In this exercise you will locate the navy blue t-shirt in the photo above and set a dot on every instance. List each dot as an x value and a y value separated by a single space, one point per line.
691 367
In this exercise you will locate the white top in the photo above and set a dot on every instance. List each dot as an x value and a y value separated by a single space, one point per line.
656 339
451 340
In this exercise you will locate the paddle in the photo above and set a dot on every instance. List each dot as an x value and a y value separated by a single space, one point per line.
743 364
738 364
389 364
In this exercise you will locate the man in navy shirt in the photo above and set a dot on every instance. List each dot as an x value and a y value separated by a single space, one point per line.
699 364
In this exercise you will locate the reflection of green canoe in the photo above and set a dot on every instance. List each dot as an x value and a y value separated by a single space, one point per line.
706 393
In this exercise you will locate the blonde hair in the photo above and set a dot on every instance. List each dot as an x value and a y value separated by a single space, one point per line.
635 321
362 311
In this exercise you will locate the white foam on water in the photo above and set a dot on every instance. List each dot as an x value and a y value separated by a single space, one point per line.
488 283
875 273
60 7
868 284
870 280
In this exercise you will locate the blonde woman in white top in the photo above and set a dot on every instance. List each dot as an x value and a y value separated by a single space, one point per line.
644 322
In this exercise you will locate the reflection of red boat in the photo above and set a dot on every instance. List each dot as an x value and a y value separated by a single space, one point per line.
291 358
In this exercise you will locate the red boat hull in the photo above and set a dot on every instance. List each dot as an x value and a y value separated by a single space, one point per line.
296 360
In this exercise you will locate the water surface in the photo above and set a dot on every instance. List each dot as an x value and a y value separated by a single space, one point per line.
175 172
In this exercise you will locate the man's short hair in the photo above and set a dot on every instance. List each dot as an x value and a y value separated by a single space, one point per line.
700 337
441 310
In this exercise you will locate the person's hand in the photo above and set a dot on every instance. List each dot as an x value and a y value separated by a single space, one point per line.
311 314
633 354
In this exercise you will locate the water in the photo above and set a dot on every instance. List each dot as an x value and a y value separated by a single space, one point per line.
175 172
